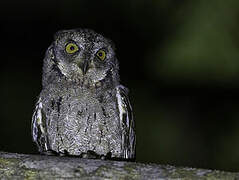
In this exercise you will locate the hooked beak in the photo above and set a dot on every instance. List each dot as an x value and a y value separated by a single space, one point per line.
84 66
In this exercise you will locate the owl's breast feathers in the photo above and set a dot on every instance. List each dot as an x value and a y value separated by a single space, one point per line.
77 120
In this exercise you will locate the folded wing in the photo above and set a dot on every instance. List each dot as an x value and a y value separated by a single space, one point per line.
127 122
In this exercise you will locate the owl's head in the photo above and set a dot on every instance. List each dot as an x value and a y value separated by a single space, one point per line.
80 56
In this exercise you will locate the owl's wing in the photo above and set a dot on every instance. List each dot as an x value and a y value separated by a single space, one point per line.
39 127
127 122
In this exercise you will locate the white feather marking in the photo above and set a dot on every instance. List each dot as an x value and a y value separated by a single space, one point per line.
122 110
120 105
39 115
62 68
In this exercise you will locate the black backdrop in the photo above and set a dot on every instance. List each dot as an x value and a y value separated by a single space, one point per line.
178 58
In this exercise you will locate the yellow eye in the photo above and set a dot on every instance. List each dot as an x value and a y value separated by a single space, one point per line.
101 54
71 48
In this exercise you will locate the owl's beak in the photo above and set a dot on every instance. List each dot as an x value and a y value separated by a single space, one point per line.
84 66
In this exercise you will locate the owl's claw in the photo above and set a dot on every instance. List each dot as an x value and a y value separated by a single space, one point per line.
49 153
94 155
90 155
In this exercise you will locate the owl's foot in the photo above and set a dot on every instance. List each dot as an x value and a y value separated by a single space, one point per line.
107 156
94 155
54 153
90 155
49 153
64 153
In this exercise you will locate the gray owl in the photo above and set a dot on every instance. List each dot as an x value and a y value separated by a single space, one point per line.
82 109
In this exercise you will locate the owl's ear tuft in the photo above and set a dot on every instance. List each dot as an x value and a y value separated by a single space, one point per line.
113 45
59 34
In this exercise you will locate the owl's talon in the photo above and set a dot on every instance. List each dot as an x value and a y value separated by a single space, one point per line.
49 153
84 155
102 157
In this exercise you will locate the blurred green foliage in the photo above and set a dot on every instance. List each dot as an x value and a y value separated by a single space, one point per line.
205 45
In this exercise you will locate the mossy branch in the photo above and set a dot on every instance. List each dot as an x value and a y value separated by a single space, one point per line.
22 166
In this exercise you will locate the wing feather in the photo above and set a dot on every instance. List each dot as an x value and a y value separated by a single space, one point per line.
127 122
39 127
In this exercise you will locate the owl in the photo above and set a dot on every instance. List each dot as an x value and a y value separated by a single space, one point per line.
82 109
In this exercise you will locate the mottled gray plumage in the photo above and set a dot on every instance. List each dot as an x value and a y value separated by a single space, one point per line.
82 108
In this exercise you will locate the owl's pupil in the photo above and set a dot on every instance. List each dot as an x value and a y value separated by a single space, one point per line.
72 48
100 54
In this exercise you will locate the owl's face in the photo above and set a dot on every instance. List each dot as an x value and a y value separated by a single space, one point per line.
83 56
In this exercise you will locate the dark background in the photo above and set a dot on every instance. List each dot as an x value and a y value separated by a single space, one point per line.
180 60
